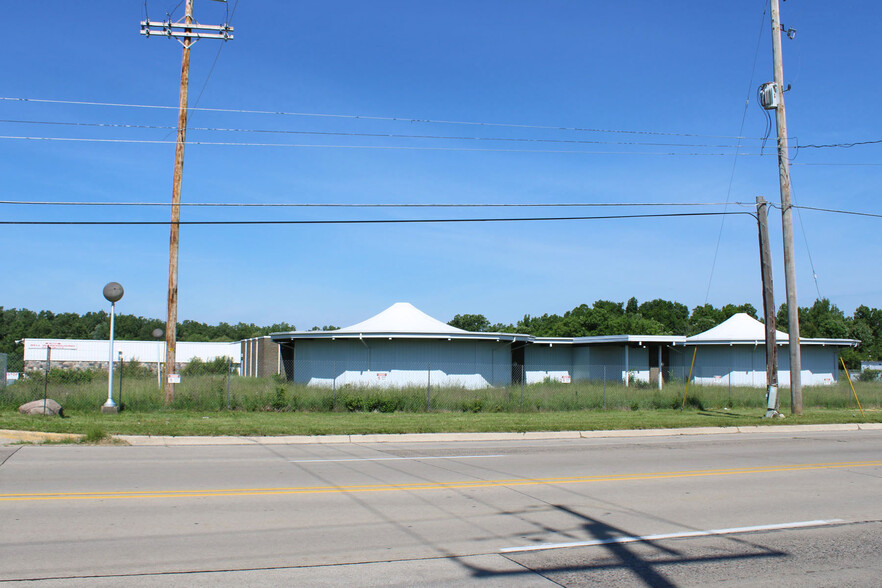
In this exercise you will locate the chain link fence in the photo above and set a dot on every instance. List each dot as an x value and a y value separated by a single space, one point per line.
423 387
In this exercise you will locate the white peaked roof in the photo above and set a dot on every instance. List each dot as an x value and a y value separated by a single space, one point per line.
400 321
739 328
401 317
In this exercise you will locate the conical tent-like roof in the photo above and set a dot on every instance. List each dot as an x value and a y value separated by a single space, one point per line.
739 328
401 317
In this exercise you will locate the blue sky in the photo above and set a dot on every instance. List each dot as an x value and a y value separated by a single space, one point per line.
627 66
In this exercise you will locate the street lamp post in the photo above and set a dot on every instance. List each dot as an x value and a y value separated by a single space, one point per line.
112 292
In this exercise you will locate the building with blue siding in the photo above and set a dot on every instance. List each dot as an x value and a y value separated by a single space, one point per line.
402 347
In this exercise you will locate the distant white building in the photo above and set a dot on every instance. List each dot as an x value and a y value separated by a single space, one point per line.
91 354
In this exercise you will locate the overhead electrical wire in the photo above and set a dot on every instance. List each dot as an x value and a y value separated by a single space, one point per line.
368 205
737 152
840 145
229 21
839 164
374 118
371 135
380 147
834 211
372 221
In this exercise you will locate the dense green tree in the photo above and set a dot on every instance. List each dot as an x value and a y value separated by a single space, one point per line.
470 322
673 315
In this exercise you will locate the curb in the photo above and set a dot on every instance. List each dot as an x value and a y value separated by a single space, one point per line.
7 435
169 441
10 436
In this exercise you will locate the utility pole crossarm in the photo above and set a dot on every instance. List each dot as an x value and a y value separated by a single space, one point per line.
182 30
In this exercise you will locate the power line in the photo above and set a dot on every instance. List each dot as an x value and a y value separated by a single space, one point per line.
737 151
841 164
835 211
371 221
375 118
839 145
229 21
367 205
809 251
380 147
352 134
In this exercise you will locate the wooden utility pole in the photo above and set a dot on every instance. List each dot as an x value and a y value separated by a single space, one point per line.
787 218
762 217
187 32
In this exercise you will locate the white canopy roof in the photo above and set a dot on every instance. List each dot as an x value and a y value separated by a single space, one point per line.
739 328
742 328
400 321
401 317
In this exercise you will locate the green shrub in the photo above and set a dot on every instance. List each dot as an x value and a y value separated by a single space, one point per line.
869 375
94 435
353 403
389 402
279 400
197 367
473 405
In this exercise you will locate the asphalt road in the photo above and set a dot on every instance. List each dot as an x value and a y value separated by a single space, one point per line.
733 510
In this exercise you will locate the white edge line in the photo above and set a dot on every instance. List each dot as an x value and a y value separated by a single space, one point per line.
417 458
660 536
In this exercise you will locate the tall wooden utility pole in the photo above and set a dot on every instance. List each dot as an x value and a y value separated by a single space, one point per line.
187 32
762 217
787 219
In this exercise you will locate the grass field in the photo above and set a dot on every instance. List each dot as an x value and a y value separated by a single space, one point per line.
268 406
207 393
304 423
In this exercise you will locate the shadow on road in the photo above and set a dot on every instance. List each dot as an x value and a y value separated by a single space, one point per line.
620 555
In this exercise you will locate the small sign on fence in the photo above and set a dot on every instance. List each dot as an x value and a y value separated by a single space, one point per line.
381 375
174 378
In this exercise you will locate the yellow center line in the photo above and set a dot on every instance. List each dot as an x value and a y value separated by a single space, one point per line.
213 493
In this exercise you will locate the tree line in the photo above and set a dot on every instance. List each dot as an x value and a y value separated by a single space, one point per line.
603 317
664 317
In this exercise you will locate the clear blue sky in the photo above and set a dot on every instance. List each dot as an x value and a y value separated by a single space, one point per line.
670 67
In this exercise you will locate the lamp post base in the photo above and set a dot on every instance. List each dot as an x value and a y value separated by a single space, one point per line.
110 409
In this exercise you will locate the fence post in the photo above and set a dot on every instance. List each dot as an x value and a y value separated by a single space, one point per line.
729 378
334 387
119 395
229 375
604 387
46 377
429 388
523 377
522 392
